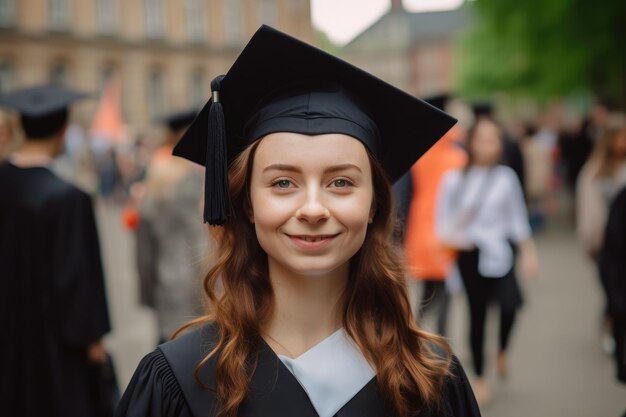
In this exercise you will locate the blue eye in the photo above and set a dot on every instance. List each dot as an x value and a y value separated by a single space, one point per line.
341 183
282 183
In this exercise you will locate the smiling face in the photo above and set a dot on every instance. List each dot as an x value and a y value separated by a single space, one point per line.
311 200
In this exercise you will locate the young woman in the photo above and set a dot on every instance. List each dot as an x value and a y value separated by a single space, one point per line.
308 312
170 245
481 212
600 179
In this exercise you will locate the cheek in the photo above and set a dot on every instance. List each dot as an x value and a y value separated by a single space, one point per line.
496 149
267 209
355 213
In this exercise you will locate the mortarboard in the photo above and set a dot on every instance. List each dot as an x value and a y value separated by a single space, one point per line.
43 109
179 120
439 101
281 84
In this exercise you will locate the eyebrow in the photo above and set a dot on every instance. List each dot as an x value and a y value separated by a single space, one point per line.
293 168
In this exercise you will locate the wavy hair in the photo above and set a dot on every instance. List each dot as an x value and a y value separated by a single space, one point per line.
411 364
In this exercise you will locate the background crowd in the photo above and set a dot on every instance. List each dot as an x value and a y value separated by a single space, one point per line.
471 211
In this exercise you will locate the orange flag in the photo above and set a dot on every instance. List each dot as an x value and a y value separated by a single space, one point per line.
107 122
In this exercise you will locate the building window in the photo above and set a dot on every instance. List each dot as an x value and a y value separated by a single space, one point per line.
7 13
6 77
196 19
156 93
267 14
107 15
59 74
233 22
60 14
197 88
155 18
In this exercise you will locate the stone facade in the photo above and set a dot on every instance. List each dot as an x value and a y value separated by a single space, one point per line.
413 51
165 51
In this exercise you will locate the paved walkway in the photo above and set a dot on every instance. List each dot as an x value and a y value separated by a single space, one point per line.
556 365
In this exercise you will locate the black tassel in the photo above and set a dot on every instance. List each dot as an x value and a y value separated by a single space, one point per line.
216 199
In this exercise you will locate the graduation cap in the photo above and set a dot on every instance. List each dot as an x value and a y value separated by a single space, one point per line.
179 120
281 84
43 109
439 100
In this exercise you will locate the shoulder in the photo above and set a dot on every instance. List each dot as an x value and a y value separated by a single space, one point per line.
506 174
153 390
451 176
66 195
167 377
505 171
458 398
192 346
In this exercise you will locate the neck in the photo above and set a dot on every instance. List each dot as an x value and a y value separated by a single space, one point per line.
40 148
307 309
484 164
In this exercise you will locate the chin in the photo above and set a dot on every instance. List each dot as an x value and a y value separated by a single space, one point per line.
313 267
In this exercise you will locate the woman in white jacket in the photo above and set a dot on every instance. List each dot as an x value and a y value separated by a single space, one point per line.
481 212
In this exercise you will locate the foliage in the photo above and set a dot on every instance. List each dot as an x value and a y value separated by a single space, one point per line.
544 48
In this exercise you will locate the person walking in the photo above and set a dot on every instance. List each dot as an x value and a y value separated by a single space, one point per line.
600 179
170 245
612 262
428 260
53 304
308 314
481 212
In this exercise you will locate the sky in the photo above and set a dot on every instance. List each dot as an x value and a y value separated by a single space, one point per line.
342 20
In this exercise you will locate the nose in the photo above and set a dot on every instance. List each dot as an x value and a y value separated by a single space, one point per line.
313 210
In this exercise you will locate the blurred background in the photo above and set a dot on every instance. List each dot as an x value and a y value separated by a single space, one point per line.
552 72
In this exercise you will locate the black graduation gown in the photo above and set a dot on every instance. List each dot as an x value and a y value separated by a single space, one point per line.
163 386
52 298
613 274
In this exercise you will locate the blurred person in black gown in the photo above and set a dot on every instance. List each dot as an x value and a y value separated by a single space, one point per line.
613 274
52 295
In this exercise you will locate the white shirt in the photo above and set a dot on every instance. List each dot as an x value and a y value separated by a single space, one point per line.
331 372
464 222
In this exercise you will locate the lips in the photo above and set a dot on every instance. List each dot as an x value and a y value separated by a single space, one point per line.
317 238
312 242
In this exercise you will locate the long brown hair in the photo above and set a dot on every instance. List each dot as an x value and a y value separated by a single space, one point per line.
411 364
471 137
605 161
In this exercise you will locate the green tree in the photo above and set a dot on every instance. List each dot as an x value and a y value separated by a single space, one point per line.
545 48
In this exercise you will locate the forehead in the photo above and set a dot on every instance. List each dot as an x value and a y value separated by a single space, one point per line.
487 130
310 150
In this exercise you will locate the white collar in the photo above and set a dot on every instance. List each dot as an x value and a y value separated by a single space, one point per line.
331 372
